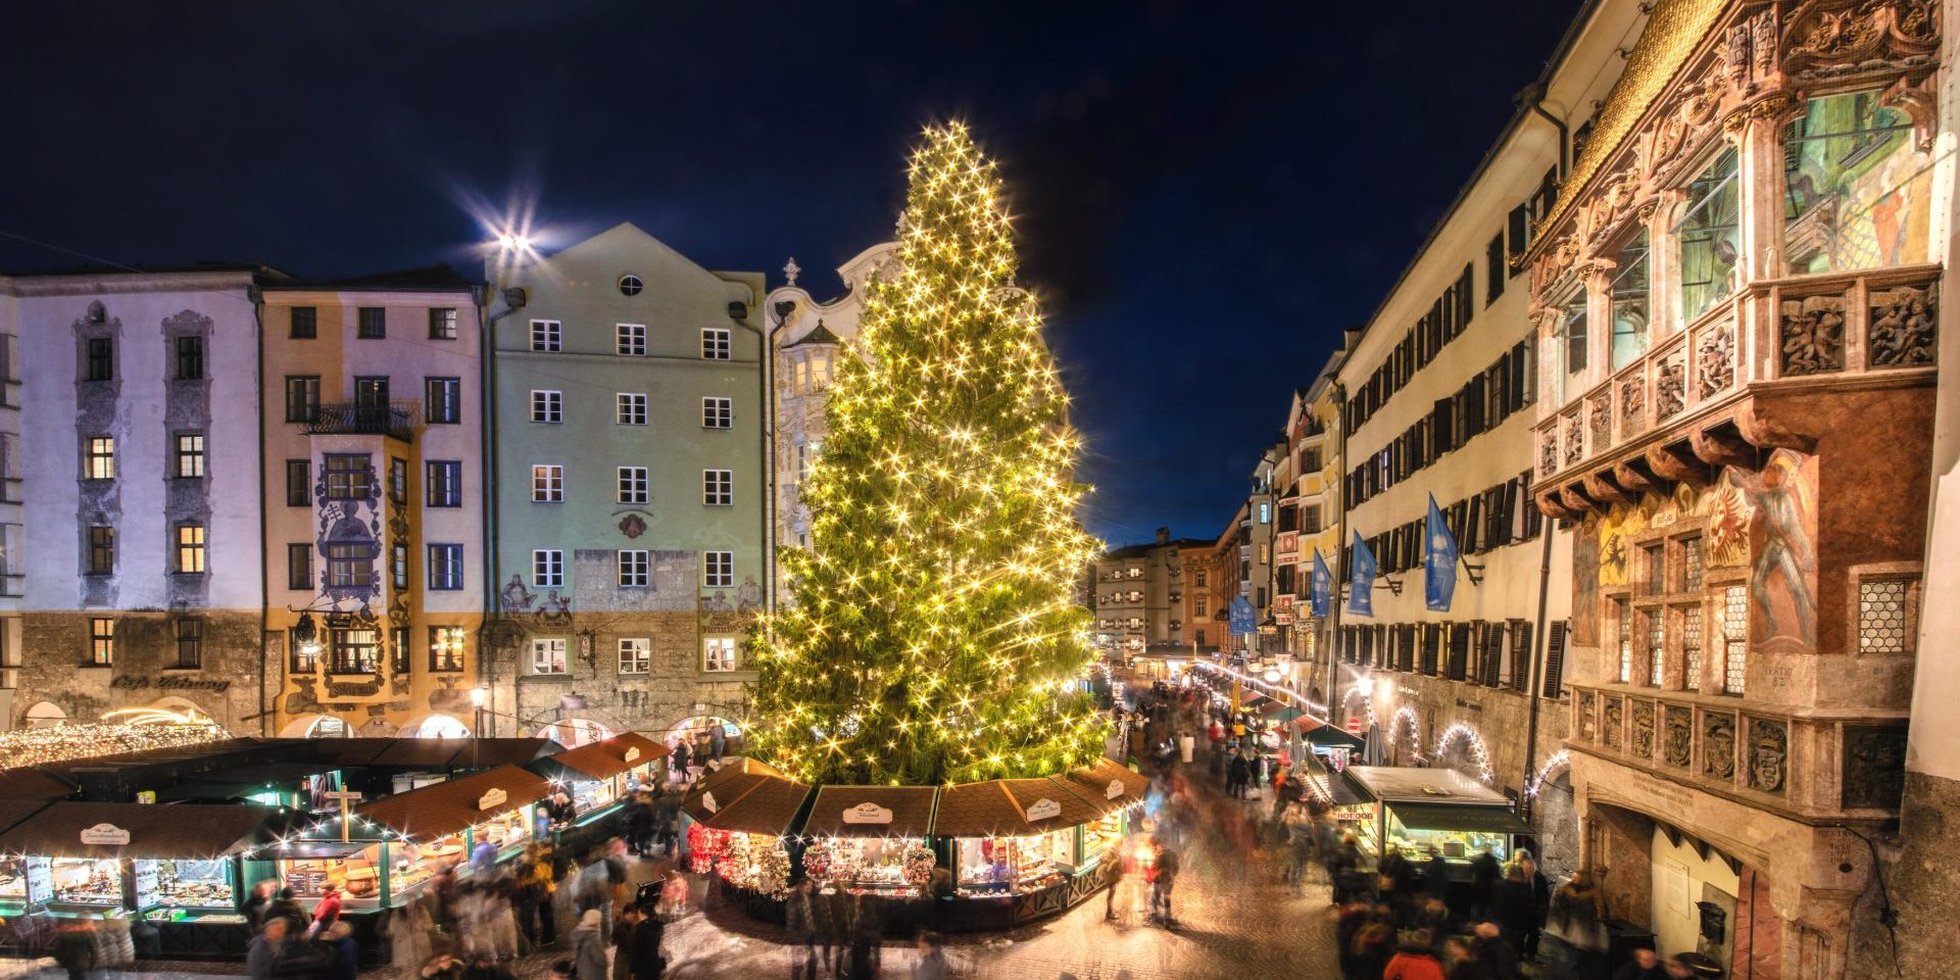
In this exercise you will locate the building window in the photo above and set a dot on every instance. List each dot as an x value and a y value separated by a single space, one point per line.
632 484
1310 519
299 567
355 651
1735 638
442 323
398 480
372 323
717 413
718 488
446 649
1656 647
548 568
442 401
190 643
100 463
635 655
1852 184
548 483
446 567
1575 346
630 285
305 656
190 358
1691 644
1691 578
101 549
399 660
547 406
630 339
444 478
1204 605
1886 615
190 456
305 323
630 408
190 548
102 359
1656 562
101 641
1632 307
547 336
1624 617
634 570
302 399
299 482
350 565
718 654
715 344
718 569
1707 235
548 656
349 477
398 565
1201 578
1265 512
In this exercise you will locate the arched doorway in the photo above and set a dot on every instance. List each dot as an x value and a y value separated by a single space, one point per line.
1405 737
315 726
1462 749
1556 818
435 726
574 732
45 714
695 728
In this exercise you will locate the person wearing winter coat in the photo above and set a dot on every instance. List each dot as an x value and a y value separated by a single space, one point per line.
326 912
647 963
622 935
74 949
589 947
264 951
1414 961
800 916
346 955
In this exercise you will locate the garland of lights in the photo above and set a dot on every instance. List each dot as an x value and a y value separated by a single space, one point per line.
1311 707
1367 701
1478 754
1558 759
932 634
1407 712
28 747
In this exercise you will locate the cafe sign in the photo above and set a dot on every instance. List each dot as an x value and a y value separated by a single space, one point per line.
708 802
1044 809
1115 789
868 813
633 754
492 798
106 834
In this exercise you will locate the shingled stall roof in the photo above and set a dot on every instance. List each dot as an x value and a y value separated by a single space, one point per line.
603 759
426 753
1010 808
872 811
734 779
156 830
456 804
1108 785
755 802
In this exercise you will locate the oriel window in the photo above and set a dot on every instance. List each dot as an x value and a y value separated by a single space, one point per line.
1857 194
1632 304
1709 237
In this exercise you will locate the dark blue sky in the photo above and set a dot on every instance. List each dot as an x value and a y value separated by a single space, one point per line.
1208 193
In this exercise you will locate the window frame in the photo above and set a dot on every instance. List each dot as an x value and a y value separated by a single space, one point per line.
547 483
370 323
189 349
99 457
718 569
191 554
633 568
194 455
547 568
299 567
442 483
303 323
299 494
101 641
346 481
189 634
305 408
630 408
720 655
557 663
443 322
717 488
641 648
442 400
630 339
547 336
99 544
547 406
717 344
448 649
445 567
631 485
717 412
99 359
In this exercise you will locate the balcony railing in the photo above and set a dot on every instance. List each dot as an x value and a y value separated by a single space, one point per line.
1818 326
396 420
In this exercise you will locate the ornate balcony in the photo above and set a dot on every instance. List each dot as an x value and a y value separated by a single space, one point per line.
1686 404
396 420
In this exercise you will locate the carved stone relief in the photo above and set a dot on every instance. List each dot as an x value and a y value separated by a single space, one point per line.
1718 745
1588 728
1633 403
1643 729
1614 724
1874 767
1548 452
1812 335
1575 438
1903 323
1677 736
1715 360
1599 412
1827 37
1769 750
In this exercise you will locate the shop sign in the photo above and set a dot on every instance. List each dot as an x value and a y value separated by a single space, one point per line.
1354 726
633 754
708 802
492 798
1114 790
105 833
867 813
1337 758
1044 809
146 796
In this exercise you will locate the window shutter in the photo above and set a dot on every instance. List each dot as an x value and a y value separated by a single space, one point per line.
1555 661
1473 527
1430 639
1464 284
1518 227
1459 650
1521 654
1520 393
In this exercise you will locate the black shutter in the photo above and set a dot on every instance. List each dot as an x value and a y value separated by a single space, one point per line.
1459 650
1519 226
1554 686
1496 269
1521 654
1430 639
1475 403
1464 306
1474 539
1521 386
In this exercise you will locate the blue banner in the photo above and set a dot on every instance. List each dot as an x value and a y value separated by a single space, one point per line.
1322 586
1438 561
1245 619
1361 580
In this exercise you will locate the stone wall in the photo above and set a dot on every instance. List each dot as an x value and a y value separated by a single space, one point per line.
1924 890
145 671
651 702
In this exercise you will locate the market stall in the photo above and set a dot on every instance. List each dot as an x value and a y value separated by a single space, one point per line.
442 825
1425 812
874 840
1119 793
738 821
599 775
178 869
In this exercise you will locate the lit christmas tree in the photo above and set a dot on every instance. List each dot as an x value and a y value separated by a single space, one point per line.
932 637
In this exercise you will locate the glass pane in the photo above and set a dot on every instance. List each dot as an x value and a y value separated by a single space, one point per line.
1631 303
1708 234
1856 194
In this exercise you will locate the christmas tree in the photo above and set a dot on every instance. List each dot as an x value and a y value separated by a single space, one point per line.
930 635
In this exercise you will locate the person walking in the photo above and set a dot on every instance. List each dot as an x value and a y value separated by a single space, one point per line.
1541 901
1578 908
932 958
1512 908
680 761
867 956
1415 960
339 937
326 912
622 936
1237 773
717 742
260 957
801 918
589 947
647 961
1162 882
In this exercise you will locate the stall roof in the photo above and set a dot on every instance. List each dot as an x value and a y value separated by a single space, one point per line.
156 830
1318 732
1469 817
1009 807
768 805
887 811
426 753
449 806
1093 784
33 784
734 779
606 758
1391 783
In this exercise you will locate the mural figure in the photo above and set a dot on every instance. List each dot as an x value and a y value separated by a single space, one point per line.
1780 589
748 596
515 597
555 610
1585 576
717 603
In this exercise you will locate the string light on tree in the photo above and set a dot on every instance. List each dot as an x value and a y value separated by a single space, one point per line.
933 638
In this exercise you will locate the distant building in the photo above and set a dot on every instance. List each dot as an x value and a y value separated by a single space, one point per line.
1143 596
630 503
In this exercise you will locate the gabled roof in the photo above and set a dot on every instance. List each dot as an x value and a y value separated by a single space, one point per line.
819 334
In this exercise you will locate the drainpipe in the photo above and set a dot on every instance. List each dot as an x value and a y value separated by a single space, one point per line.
1340 541
492 523
1533 98
258 412
1538 657
765 431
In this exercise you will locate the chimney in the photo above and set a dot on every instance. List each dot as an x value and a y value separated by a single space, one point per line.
1163 535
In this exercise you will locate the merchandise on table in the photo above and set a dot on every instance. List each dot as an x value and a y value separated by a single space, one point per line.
990 865
186 882
87 881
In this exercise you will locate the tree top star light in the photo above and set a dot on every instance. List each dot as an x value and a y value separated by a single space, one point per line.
931 636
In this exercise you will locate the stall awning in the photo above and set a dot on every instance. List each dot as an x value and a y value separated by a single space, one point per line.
769 806
1459 816
155 830
605 758
453 805
1010 808
315 850
1109 785
32 784
872 811
1318 733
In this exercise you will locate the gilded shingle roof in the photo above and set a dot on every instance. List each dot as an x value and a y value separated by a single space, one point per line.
1675 29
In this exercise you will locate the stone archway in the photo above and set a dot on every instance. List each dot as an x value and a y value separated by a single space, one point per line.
1405 736
43 714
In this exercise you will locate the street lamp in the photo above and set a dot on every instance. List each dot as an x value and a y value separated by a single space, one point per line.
1273 675
477 696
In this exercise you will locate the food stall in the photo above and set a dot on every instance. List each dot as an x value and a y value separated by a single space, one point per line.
1424 812
738 822
180 869
1017 848
1120 793
598 776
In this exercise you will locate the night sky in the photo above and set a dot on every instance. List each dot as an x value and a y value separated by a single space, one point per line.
1207 193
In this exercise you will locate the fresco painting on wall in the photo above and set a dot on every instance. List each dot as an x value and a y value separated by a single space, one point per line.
1782 537
1585 578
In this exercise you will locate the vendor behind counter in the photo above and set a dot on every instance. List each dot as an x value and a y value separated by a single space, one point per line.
163 861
